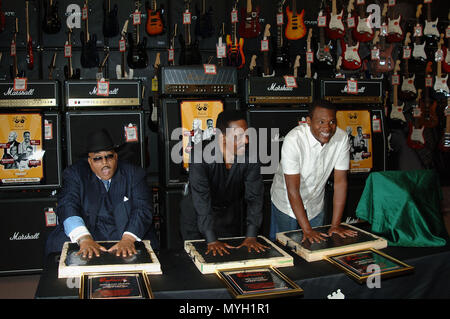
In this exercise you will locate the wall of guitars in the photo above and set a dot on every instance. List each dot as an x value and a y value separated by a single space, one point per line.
403 42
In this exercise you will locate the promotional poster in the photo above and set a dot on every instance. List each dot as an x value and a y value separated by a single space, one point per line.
21 148
357 124
198 120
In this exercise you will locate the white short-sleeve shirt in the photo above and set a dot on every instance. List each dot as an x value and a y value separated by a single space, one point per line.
303 154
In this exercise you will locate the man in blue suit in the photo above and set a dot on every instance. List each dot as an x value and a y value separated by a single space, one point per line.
102 199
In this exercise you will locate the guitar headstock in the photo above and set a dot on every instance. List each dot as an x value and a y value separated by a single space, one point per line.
350 7
419 10
157 61
280 5
252 62
397 66
309 36
376 37
385 9
441 41
429 68
407 38
267 31
174 34
125 29
297 61
419 94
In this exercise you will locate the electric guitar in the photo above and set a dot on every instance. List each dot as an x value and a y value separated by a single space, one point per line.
446 61
408 90
268 71
444 144
155 23
110 21
351 59
171 51
308 49
396 110
14 69
440 86
51 67
431 29
281 54
335 27
68 69
323 54
249 26
416 139
99 75
363 31
30 56
428 106
204 26
235 46
296 66
120 68
153 97
189 53
221 61
295 27
137 57
419 49
385 62
52 22
89 54
395 31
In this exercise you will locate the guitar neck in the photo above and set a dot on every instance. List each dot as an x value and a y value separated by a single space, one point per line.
395 96
429 12
249 7
294 8
333 7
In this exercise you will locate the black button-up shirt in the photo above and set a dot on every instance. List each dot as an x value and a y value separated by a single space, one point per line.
215 188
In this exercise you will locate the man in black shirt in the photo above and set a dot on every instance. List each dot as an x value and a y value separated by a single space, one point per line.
218 186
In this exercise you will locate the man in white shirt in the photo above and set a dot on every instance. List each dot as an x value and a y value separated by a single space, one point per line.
310 153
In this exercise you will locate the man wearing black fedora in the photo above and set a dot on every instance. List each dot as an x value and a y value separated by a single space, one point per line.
102 199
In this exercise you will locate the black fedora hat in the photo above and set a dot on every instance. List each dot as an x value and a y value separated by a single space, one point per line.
99 141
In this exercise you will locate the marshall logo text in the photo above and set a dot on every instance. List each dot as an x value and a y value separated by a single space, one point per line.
114 91
12 92
28 236
279 87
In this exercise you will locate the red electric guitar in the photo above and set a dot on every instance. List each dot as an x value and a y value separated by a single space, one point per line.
385 62
295 27
249 26
444 144
415 136
395 31
335 28
351 60
235 46
363 31
446 60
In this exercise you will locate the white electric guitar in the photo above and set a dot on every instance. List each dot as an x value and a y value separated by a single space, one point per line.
408 88
440 83
418 49
397 110
431 29
120 68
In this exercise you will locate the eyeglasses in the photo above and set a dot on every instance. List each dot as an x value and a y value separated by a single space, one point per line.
100 158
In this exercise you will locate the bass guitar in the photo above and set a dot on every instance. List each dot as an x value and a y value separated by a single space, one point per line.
351 59
408 90
110 21
440 87
189 53
416 139
395 31
120 68
89 54
281 52
235 46
295 27
204 26
428 106
52 22
155 23
137 57
444 144
268 71
68 69
396 110
335 28
363 31
249 26
30 56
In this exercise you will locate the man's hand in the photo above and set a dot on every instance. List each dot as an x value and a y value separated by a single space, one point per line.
252 243
125 247
218 247
89 247
314 236
341 231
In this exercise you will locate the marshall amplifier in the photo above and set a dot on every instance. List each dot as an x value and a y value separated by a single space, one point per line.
35 94
336 91
194 80
273 90
86 94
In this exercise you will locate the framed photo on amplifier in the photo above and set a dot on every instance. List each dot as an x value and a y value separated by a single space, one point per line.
258 282
122 285
362 264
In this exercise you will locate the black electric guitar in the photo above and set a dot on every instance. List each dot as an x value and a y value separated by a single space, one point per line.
137 57
30 55
281 52
268 71
101 67
189 53
14 69
51 67
110 20
204 25
68 69
52 22
89 54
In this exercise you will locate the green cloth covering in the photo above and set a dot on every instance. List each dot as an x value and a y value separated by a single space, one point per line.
404 208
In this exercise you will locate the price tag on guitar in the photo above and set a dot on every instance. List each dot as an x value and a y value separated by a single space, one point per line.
136 17
48 130
210 68
351 22
20 84
221 51
280 19
395 79
406 52
264 45
391 3
375 54
84 13
50 217
13 51
187 17
103 87
322 21
439 55
290 81
352 86
417 112
447 32
310 57
67 51
428 81
122 45
234 16
418 30
171 55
